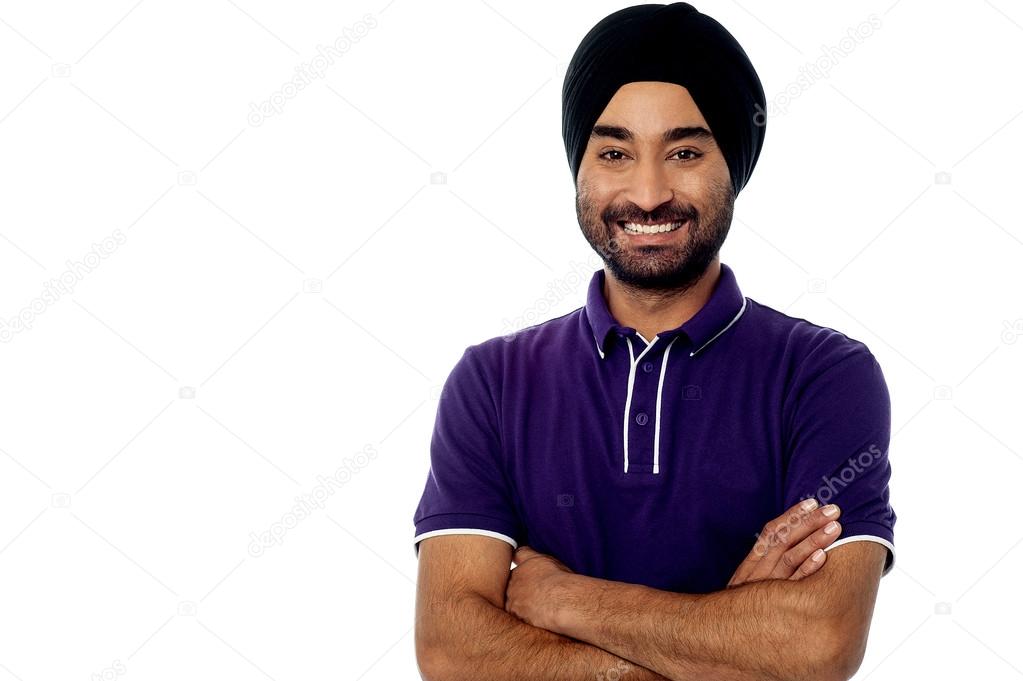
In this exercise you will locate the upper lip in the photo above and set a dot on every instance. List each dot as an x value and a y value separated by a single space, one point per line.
661 222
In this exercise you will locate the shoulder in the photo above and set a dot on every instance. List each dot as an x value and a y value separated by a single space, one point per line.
531 344
807 345
814 364
502 367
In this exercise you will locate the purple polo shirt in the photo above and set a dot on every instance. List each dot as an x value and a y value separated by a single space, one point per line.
659 463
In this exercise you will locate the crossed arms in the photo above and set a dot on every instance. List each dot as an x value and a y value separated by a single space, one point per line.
587 628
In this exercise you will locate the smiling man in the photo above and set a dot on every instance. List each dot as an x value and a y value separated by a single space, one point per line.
647 455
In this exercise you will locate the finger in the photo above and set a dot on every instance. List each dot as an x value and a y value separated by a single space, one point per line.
763 543
792 559
785 533
522 554
811 565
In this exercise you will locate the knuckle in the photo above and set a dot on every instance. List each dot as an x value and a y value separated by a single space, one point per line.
782 534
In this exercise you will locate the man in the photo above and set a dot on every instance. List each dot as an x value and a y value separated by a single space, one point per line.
647 455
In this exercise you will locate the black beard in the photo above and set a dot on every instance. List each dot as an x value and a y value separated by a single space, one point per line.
665 269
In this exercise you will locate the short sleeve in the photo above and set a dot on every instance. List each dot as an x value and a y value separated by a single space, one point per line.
840 426
467 490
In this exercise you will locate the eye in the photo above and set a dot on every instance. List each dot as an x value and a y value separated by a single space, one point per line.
695 155
604 155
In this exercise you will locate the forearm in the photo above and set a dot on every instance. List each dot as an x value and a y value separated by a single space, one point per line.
481 641
755 631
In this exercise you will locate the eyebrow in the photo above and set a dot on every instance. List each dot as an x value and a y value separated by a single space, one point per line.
673 135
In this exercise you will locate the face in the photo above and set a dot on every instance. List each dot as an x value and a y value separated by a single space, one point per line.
633 172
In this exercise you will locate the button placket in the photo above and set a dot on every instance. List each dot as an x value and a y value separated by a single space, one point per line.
657 413
639 440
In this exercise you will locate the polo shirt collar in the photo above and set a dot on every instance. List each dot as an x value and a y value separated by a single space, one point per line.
724 307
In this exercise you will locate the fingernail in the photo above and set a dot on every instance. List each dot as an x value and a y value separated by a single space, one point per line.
830 510
809 505
831 527
817 556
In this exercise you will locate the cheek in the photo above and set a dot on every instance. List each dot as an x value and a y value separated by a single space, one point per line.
591 202
700 181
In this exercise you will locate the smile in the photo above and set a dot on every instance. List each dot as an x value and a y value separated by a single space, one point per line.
637 228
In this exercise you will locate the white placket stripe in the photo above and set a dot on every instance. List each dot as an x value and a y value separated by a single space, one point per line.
657 412
633 361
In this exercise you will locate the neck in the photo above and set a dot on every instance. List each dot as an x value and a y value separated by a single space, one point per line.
651 312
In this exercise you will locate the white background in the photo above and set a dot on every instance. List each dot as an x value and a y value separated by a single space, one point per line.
289 293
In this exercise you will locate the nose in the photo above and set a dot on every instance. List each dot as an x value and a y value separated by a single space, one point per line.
649 186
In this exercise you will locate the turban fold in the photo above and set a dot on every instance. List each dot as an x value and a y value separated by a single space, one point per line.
672 43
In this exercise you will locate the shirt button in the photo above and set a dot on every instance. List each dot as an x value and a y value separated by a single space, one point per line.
648 367
641 418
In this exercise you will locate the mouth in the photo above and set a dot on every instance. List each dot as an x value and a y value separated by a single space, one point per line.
651 229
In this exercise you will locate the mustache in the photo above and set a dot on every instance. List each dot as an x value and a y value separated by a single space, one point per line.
673 214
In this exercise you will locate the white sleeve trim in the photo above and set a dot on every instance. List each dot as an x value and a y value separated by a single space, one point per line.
461 530
868 537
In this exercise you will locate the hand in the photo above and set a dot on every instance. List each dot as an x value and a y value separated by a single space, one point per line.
531 594
784 548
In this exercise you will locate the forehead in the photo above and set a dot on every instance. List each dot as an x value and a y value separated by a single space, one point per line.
649 107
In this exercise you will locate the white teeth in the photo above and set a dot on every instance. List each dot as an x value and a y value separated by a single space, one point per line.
635 228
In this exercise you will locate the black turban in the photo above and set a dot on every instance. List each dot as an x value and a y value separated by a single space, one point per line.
674 44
